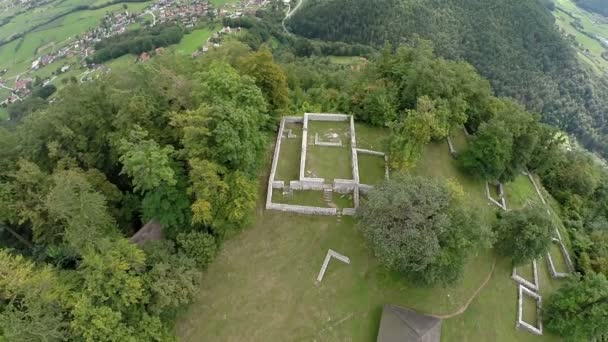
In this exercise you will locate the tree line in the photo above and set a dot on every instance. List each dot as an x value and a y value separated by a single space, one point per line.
136 42
514 44
177 140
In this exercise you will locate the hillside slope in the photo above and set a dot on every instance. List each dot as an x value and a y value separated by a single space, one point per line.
513 43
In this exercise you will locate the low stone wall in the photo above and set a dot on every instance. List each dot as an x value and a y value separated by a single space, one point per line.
293 119
312 184
502 204
522 281
538 192
386 168
451 147
303 209
344 186
374 153
304 147
318 142
551 265
365 188
325 117
349 211
275 162
278 184
521 324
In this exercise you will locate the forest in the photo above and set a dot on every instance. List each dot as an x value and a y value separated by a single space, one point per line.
136 42
182 142
514 44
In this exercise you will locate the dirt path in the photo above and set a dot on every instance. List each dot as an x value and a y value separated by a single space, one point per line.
465 306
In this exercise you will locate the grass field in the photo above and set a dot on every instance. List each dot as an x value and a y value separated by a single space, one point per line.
529 311
559 261
3 114
289 156
371 168
567 12
526 272
193 41
329 162
520 192
262 285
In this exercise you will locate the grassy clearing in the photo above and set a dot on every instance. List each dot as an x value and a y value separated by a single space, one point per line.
559 261
289 156
3 114
262 285
526 272
529 314
491 316
345 60
371 138
371 168
520 192
328 162
277 299
193 41
459 140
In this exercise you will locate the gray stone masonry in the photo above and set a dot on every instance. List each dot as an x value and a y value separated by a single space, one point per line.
502 204
300 209
331 254
275 162
521 324
551 264
522 281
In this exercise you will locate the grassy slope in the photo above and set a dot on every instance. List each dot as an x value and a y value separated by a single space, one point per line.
193 40
262 285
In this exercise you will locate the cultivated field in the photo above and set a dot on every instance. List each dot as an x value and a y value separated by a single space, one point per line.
262 285
566 14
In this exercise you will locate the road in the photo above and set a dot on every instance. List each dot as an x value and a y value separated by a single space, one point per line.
290 12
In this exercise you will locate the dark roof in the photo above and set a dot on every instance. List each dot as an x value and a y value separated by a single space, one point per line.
152 231
405 325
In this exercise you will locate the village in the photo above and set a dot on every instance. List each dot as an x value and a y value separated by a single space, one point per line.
74 54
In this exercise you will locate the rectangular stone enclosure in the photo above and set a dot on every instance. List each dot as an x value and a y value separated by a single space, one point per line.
318 152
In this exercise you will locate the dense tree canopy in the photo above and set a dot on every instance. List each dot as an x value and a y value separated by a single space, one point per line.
513 43
579 309
179 141
524 234
419 227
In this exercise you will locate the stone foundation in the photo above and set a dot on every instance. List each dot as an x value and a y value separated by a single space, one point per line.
551 265
522 281
521 324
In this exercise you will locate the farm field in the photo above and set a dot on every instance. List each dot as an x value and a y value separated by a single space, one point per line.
17 55
193 40
567 12
262 285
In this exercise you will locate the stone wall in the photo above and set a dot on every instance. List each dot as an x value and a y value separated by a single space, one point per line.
354 160
293 119
344 186
521 324
349 211
303 209
304 147
275 162
502 204
451 147
374 153
525 282
325 117
551 265
536 188
278 184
